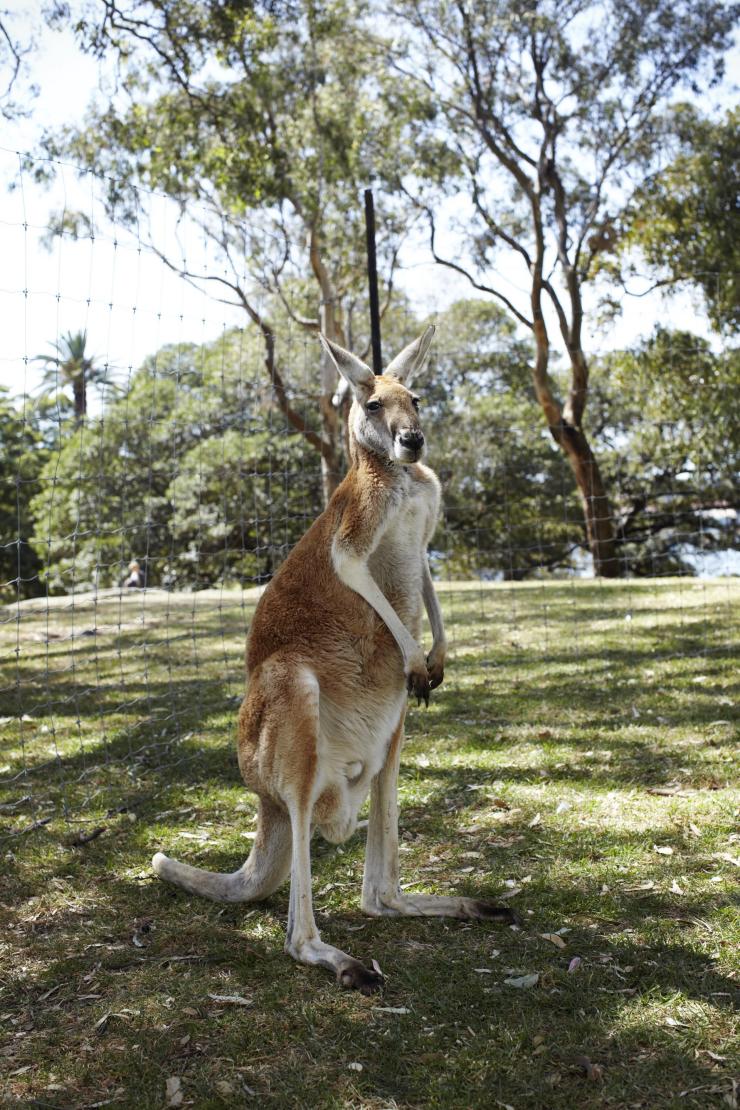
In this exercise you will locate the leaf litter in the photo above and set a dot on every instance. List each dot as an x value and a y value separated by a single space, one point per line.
523 982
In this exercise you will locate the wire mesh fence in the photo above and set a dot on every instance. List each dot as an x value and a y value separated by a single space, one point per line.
185 468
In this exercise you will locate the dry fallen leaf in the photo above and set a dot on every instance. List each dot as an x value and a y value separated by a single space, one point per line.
523 982
231 999
574 964
173 1091
553 939
727 858
536 820
675 888
662 849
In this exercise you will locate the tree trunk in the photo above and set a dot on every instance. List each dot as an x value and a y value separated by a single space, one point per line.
80 398
594 499
333 464
332 459
567 432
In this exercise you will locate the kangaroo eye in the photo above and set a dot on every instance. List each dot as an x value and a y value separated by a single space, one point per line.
373 406
415 403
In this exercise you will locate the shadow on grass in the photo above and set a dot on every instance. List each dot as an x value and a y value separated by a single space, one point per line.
459 1039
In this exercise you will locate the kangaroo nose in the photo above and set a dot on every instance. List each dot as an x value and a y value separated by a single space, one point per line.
411 439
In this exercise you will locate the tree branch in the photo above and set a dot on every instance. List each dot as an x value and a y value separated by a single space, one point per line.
466 274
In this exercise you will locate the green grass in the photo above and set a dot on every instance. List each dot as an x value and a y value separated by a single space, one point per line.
580 726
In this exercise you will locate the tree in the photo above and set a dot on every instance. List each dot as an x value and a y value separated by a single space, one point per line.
14 50
551 110
263 122
685 220
188 471
508 506
22 456
71 366
666 418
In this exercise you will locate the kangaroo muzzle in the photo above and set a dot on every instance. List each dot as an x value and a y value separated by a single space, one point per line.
409 445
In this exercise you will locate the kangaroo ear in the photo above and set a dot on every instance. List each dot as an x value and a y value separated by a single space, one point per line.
412 359
355 372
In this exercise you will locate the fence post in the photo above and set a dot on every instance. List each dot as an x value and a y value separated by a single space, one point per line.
372 277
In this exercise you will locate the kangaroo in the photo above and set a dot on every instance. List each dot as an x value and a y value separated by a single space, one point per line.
332 653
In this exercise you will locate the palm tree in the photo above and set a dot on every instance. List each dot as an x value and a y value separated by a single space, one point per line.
69 365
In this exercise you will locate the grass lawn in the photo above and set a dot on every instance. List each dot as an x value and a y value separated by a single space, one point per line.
579 759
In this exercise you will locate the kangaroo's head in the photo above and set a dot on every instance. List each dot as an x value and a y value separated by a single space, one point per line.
384 417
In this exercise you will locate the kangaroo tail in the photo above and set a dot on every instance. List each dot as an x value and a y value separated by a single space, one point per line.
263 872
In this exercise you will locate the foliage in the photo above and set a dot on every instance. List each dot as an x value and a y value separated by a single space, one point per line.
178 473
22 457
509 505
666 415
263 123
685 220
71 366
551 110
15 48
193 471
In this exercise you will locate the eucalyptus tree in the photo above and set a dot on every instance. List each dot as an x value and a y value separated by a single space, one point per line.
263 122
685 219
15 47
552 110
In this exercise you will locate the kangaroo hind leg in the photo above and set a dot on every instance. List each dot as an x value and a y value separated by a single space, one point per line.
381 893
298 773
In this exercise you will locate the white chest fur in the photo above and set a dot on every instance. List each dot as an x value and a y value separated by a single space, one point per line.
397 562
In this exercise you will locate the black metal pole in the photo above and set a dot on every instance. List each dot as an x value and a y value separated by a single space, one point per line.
372 277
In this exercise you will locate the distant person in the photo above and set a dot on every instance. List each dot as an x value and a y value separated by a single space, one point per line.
136 576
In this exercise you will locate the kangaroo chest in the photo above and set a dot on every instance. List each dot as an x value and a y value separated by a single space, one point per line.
397 563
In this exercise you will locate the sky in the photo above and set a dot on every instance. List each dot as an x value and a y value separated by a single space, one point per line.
123 295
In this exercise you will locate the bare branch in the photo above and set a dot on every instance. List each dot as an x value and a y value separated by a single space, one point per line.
294 418
466 274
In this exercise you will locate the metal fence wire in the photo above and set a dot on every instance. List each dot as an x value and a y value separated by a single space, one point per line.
184 473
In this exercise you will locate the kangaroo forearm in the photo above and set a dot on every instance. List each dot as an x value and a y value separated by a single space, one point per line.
431 604
352 570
